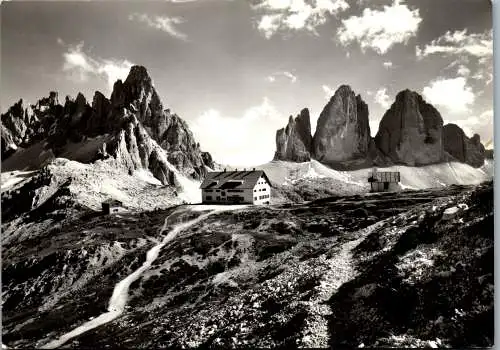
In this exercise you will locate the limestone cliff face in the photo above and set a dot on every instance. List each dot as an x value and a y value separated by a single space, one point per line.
462 148
343 132
294 142
131 129
410 132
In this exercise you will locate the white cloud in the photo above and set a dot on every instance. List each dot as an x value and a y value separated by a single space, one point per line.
79 66
460 43
295 14
465 48
387 64
290 76
463 71
380 29
269 24
244 141
382 98
453 94
329 91
163 23
272 78
482 125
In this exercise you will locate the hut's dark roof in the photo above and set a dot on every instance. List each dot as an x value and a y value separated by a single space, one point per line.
233 179
112 202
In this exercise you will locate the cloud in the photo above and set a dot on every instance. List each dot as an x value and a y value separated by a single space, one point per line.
79 66
382 98
460 43
295 15
379 30
466 49
453 94
269 24
163 23
272 78
240 141
482 124
387 64
463 71
329 91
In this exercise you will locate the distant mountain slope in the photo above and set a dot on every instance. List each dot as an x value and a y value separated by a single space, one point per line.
284 173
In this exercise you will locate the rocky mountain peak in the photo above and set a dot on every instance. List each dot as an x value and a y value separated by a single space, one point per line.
131 130
295 141
410 132
80 99
462 148
343 131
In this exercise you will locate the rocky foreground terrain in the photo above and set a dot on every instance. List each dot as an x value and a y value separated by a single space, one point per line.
413 268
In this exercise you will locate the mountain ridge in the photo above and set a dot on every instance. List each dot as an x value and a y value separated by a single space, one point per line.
411 132
130 130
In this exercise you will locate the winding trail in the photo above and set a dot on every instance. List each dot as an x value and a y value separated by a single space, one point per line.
340 270
119 298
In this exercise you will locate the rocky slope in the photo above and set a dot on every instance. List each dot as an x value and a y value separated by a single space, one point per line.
131 131
462 148
410 133
417 270
294 142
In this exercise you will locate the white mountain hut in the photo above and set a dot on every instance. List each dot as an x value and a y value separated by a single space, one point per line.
236 187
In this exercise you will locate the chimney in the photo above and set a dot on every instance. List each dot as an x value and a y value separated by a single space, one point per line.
253 169
236 169
244 169
224 169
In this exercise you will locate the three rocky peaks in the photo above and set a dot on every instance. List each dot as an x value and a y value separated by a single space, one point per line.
131 130
410 133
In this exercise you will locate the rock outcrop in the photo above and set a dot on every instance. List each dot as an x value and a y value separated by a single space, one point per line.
410 132
343 132
131 130
462 148
294 143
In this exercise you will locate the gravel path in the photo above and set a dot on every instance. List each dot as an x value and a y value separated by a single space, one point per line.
340 270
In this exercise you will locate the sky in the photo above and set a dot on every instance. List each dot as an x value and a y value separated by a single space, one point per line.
235 70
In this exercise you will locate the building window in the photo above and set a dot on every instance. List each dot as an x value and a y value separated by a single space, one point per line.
209 198
217 190
223 193
218 198
254 198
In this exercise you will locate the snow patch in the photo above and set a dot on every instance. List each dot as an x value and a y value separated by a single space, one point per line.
413 178
109 187
147 176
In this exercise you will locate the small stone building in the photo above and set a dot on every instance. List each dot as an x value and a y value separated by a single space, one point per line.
110 206
236 187
384 181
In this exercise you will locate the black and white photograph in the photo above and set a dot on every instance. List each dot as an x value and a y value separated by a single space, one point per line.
247 174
